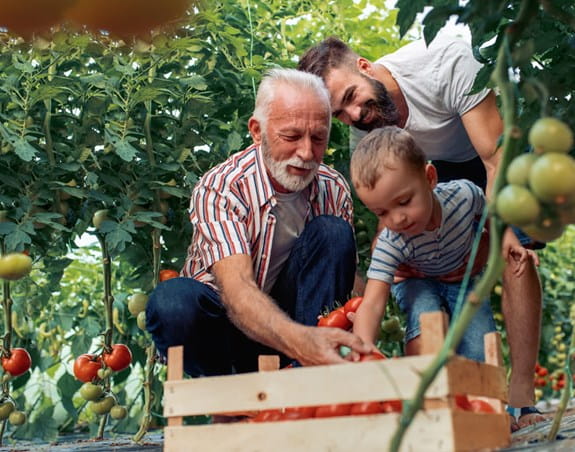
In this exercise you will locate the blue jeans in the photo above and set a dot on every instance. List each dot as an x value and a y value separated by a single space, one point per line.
415 296
183 311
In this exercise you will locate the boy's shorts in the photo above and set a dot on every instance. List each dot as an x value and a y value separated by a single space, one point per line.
415 296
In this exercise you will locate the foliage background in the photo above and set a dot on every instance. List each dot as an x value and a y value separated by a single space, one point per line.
89 122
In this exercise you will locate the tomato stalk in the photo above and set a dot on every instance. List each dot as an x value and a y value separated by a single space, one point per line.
108 314
495 264
568 388
151 349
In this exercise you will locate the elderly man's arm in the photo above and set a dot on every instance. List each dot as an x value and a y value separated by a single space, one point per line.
256 314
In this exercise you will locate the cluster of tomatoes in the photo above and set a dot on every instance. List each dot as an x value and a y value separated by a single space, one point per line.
93 369
337 318
540 195
16 362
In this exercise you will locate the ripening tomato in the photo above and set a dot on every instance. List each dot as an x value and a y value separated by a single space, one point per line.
119 358
481 406
86 367
352 304
335 319
333 410
542 371
392 406
268 416
363 408
18 362
373 356
462 402
298 412
168 274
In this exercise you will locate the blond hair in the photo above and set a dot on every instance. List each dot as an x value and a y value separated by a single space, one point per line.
380 149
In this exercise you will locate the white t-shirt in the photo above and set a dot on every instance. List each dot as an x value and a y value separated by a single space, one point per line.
435 81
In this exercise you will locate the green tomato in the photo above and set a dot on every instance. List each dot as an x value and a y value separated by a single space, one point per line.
103 406
546 231
99 217
516 205
141 320
518 169
6 408
391 325
104 373
17 418
118 412
552 178
90 391
14 266
137 303
550 135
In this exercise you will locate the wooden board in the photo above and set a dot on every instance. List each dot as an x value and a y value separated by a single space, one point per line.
434 431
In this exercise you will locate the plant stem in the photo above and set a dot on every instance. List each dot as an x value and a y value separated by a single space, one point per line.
568 388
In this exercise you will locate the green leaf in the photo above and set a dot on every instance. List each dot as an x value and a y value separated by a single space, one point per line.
42 424
125 151
80 344
408 10
24 149
68 386
234 141
17 239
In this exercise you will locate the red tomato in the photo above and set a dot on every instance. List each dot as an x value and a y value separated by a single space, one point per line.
336 409
18 362
542 371
373 356
119 358
481 406
335 319
392 406
462 402
168 274
299 412
352 304
362 408
268 416
86 367
540 382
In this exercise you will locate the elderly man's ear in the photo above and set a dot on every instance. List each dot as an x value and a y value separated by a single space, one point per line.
255 129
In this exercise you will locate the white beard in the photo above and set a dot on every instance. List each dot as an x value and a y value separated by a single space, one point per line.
278 169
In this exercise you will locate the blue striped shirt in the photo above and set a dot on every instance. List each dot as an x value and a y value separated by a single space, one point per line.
438 252
230 211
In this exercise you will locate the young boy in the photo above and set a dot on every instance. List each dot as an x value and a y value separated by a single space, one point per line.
428 226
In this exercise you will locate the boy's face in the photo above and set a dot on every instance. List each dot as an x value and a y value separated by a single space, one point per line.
403 199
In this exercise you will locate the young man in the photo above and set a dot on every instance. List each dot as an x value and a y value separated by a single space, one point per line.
425 90
272 244
429 226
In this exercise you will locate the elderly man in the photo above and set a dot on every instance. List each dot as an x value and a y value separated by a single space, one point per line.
272 244
426 91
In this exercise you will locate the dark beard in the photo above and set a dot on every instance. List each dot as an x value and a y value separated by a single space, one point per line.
387 114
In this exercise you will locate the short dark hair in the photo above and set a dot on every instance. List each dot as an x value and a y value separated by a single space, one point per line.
383 148
328 54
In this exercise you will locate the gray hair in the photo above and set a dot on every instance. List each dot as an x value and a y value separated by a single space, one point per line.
273 81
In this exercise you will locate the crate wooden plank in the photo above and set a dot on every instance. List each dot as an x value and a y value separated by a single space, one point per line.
175 372
480 379
430 431
475 431
373 380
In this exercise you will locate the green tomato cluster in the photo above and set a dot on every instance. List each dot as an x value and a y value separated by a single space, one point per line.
540 195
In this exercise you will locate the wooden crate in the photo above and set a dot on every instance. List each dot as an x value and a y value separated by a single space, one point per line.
439 427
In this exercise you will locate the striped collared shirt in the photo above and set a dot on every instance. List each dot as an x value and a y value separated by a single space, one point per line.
230 211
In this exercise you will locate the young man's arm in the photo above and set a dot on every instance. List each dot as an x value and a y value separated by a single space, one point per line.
484 126
256 314
368 317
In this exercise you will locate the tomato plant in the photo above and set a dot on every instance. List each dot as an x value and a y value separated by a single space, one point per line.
118 358
17 362
86 367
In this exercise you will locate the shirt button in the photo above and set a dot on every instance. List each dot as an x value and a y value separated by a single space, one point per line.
264 256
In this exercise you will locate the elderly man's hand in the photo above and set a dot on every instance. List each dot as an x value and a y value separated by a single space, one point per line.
318 346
